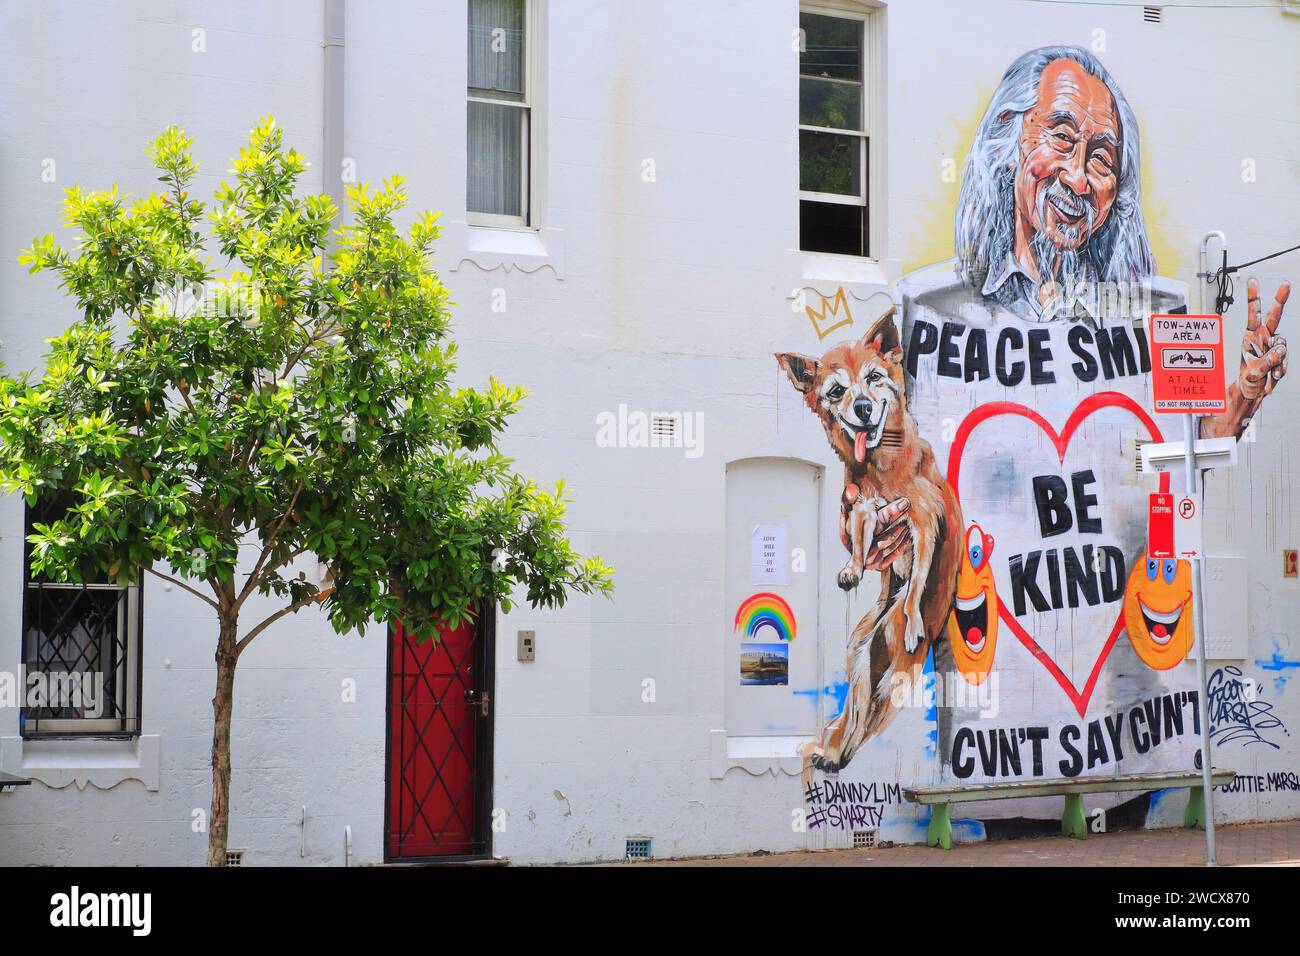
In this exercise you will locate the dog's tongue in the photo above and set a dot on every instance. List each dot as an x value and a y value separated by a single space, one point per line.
860 445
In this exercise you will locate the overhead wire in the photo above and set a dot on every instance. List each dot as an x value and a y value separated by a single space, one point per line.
1222 277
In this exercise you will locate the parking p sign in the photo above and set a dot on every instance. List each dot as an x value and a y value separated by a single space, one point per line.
1187 526
1187 367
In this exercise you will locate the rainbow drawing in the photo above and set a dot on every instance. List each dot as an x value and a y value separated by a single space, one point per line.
766 610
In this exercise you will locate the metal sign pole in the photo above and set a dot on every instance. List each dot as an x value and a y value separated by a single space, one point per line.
1198 619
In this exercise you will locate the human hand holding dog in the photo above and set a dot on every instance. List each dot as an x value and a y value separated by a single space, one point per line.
891 536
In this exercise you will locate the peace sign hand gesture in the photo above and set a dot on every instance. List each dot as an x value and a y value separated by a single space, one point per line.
1263 351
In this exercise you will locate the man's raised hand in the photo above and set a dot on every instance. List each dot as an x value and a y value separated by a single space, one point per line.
1263 351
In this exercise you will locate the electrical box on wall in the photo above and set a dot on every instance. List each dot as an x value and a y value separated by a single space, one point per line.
527 650
1226 613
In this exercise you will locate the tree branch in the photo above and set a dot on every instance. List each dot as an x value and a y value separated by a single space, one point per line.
185 394
292 608
266 549
224 597
185 587
275 566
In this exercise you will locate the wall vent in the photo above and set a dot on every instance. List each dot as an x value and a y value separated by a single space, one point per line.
638 848
663 428
864 840
1152 14
234 858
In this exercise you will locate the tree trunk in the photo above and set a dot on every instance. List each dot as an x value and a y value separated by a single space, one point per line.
223 705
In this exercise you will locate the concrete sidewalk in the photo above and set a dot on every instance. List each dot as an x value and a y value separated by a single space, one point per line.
1255 844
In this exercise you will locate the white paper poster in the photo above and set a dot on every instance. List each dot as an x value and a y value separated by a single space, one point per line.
767 556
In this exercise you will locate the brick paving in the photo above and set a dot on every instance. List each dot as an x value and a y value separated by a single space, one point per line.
1255 844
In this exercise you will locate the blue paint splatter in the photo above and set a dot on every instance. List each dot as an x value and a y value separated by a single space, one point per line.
1279 664
932 712
917 829
1153 806
968 831
836 690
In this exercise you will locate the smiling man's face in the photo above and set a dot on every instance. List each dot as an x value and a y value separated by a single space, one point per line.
1069 158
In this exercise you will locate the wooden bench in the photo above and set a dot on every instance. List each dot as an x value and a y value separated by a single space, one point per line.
1073 789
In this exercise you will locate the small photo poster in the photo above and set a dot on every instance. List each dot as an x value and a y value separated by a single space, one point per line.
764 665
767 564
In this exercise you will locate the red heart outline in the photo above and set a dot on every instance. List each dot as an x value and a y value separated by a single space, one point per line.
1061 441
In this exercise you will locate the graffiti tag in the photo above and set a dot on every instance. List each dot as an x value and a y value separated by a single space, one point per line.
849 805
1236 712
1263 783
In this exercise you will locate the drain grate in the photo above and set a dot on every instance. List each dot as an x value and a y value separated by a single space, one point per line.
234 858
864 839
638 848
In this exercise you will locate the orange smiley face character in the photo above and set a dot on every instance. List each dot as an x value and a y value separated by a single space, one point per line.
973 624
1158 611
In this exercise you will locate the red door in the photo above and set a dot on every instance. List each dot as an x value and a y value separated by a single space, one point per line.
439 744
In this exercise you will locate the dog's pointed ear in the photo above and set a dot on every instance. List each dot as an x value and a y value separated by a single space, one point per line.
883 334
801 368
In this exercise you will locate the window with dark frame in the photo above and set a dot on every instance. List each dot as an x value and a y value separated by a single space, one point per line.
833 135
81 652
500 113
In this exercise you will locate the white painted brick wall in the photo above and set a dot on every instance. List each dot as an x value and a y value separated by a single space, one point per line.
673 298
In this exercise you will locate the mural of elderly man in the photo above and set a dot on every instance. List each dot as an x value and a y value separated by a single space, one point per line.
1050 210
1050 217
1028 369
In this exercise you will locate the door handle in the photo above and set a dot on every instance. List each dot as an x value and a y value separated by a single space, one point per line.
480 697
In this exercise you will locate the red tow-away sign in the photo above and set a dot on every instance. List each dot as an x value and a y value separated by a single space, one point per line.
1187 363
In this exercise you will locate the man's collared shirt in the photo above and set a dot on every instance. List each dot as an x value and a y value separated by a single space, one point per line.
1013 288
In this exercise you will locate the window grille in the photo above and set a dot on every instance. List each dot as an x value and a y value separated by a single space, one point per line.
81 653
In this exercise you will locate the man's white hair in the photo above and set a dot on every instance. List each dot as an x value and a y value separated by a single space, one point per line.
986 219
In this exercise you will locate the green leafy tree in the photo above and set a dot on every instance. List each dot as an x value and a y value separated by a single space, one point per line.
303 408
